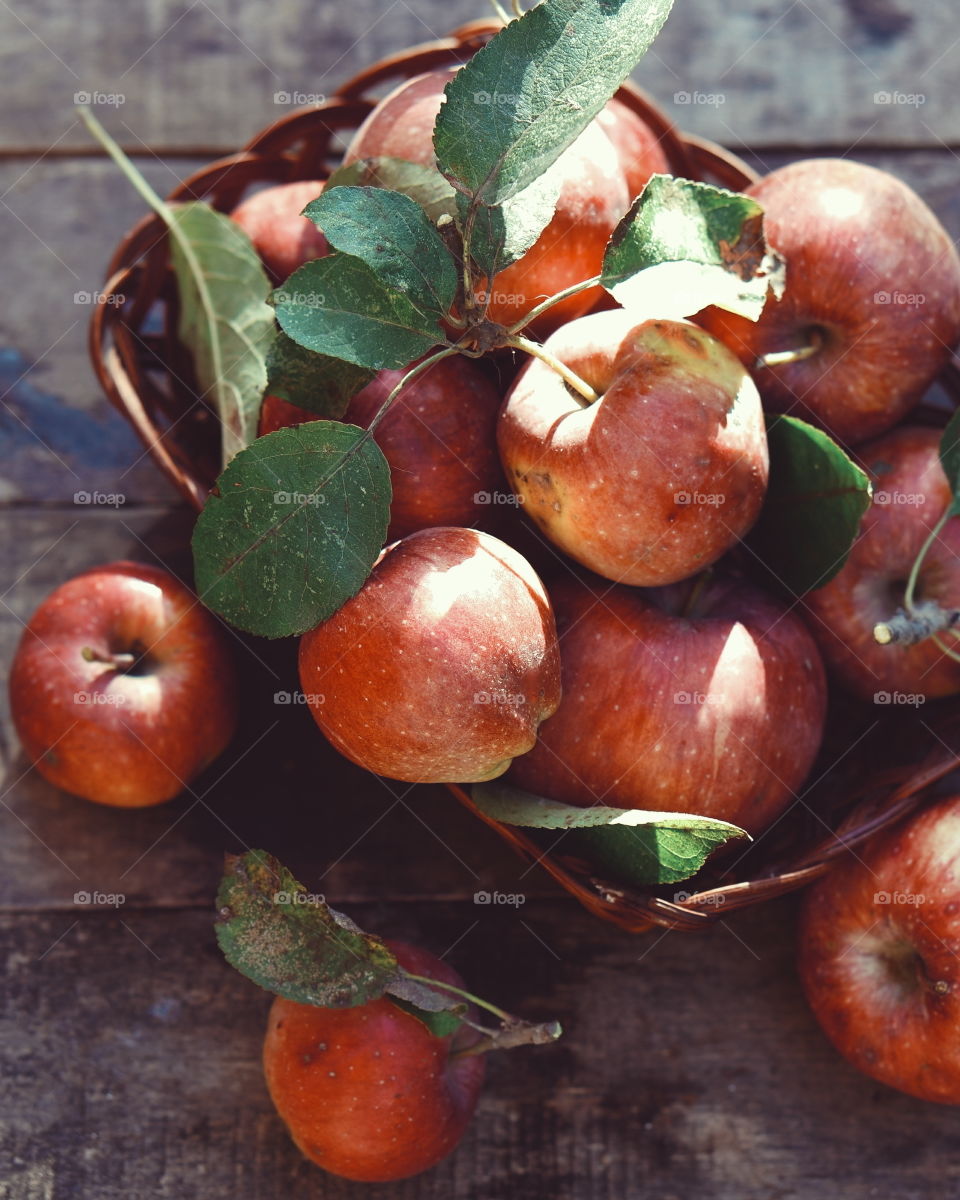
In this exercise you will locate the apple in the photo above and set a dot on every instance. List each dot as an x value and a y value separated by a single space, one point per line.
439 438
369 1093
658 477
443 665
282 237
704 697
638 147
593 197
878 955
122 687
911 493
872 297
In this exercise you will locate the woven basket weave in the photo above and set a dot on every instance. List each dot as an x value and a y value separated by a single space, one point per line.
149 377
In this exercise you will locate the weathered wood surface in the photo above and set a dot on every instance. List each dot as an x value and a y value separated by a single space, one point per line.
689 1069
128 1049
59 223
207 74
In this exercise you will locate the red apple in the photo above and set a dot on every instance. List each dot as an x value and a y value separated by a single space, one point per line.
704 697
593 198
659 476
911 493
370 1093
443 665
439 438
122 687
879 955
637 146
281 236
873 289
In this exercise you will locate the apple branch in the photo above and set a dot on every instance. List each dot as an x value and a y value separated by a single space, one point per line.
573 290
410 376
580 386
921 621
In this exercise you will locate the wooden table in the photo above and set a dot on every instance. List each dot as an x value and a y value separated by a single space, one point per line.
690 1066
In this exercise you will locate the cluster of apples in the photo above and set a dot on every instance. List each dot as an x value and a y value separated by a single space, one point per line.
639 666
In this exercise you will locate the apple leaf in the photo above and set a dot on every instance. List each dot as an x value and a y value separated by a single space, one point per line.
814 504
950 459
504 232
292 943
339 306
293 528
683 246
392 234
421 183
631 845
522 99
317 382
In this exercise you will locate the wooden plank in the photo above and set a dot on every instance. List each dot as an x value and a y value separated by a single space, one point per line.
689 1068
59 222
796 74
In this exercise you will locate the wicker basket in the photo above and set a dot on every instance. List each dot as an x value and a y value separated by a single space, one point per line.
149 377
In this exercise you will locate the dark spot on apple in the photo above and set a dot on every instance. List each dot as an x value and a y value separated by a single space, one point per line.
306 1058
51 758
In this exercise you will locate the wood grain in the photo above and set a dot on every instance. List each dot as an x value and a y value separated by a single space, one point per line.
759 74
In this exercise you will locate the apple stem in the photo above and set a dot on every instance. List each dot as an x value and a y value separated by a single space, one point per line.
921 557
780 358
907 627
120 661
408 378
696 591
514 1033
457 991
500 11
569 377
573 290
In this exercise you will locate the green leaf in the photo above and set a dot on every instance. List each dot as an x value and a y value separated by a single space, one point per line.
225 320
441 1024
293 528
394 237
950 458
814 504
630 845
505 232
291 943
421 183
696 245
522 99
317 382
339 307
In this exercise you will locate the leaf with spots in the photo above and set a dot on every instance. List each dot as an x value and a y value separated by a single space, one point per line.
292 943
316 382
293 528
683 246
629 845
